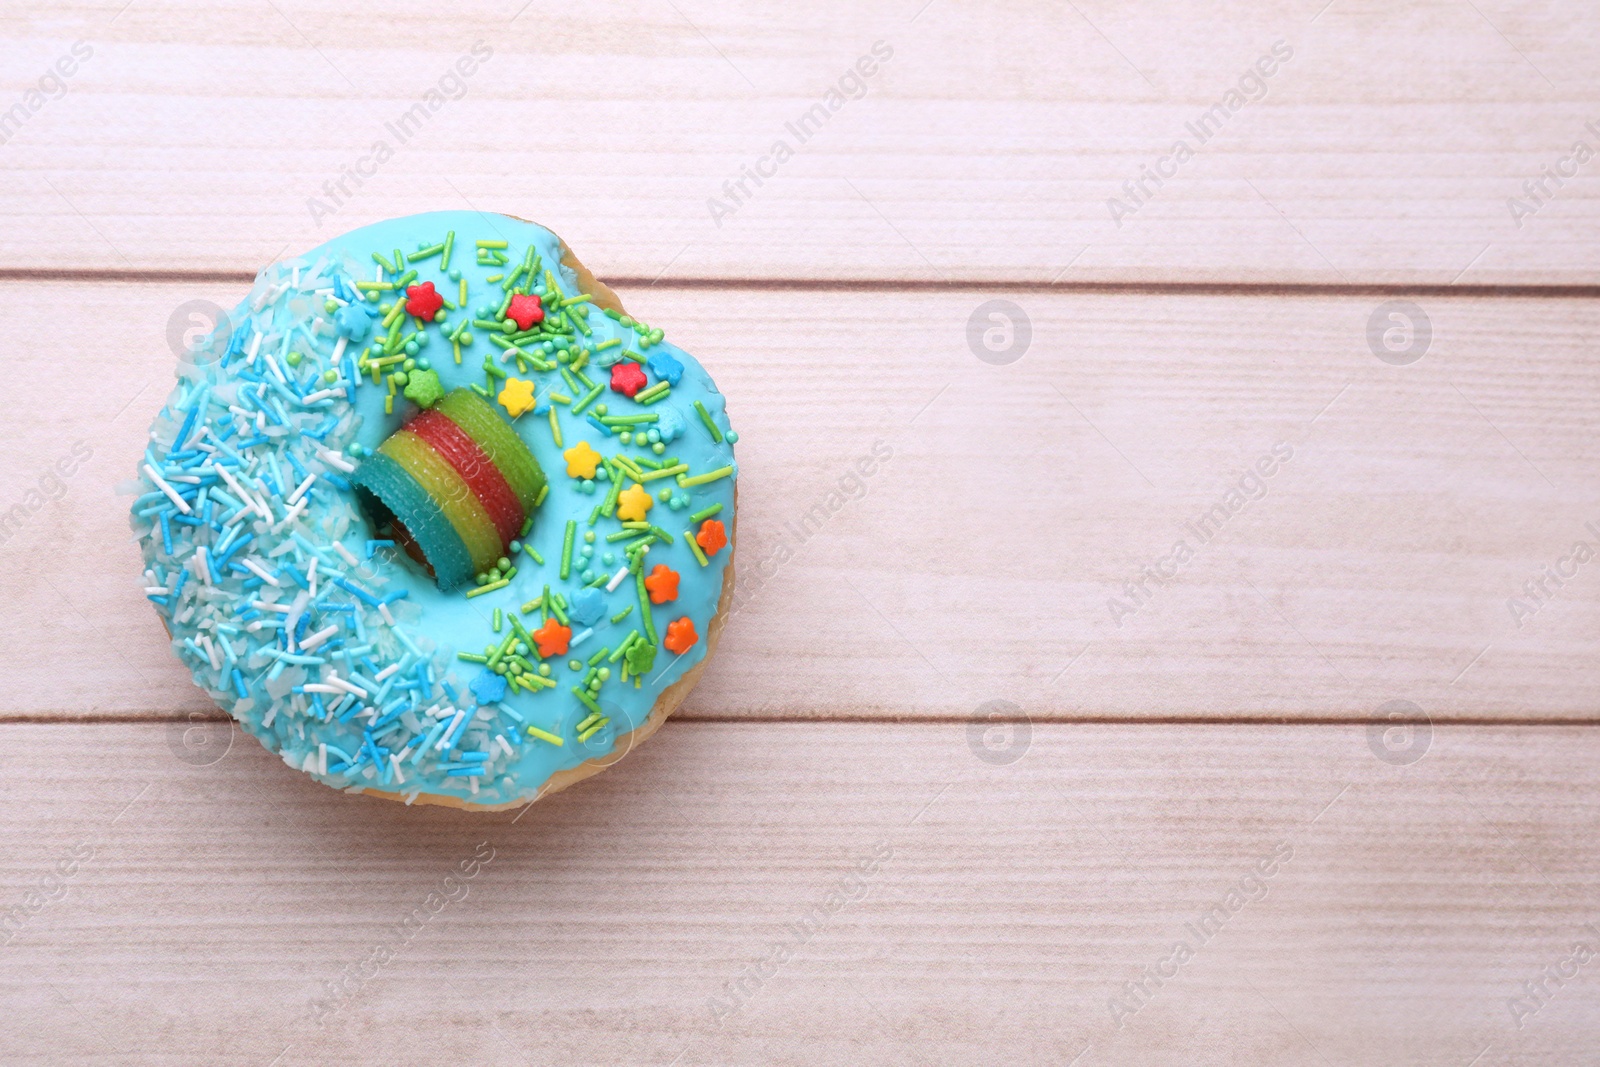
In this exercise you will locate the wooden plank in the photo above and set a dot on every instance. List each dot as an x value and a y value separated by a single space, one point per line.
986 559
988 147
1006 907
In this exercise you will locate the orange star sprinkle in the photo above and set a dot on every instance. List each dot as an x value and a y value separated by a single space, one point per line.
633 503
663 584
581 460
712 536
552 638
680 636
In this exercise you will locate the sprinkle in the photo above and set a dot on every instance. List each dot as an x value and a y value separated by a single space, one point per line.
623 614
566 549
705 417
705 513
702 479
543 735
616 579
694 546
172 494
490 588
588 701
261 573
657 390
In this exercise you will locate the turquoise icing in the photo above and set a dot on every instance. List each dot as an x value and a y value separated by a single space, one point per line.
233 566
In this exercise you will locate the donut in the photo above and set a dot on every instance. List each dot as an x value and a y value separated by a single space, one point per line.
434 519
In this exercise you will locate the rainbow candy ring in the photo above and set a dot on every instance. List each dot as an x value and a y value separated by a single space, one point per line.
455 485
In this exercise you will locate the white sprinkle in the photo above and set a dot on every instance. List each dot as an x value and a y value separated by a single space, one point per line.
255 346
348 687
311 575
290 515
317 638
323 394
262 605
157 590
444 738
501 741
616 579
338 347
300 490
322 758
333 459
383 609
201 566
172 494
261 572
392 668
344 553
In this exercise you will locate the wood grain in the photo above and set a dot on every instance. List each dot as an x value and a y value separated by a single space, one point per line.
1010 903
988 147
984 559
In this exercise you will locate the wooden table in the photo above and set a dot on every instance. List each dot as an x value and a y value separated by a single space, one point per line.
986 770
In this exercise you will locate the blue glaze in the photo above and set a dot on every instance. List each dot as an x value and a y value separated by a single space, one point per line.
260 433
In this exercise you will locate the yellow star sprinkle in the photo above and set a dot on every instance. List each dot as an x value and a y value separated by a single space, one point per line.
581 460
517 396
633 502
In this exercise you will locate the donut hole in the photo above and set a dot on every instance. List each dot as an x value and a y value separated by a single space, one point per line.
384 526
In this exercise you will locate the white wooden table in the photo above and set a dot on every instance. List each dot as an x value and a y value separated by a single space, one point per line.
833 854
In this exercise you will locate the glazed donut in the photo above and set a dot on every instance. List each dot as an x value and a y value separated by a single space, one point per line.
433 518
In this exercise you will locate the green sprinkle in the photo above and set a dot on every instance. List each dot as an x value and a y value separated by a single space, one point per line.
427 253
566 549
556 609
544 491
627 642
644 607
588 701
536 557
665 472
594 660
491 587
495 625
591 731
702 479
472 657
694 546
654 391
590 397
449 243
491 244
705 417
705 513
661 534
385 264
623 614
545 735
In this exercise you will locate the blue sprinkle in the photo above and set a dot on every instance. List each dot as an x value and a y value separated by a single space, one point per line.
665 366
587 606
489 688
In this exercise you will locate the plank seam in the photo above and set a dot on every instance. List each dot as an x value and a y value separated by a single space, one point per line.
886 285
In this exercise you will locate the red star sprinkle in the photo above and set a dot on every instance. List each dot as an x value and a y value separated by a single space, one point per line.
712 536
627 378
662 584
525 311
552 638
423 302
